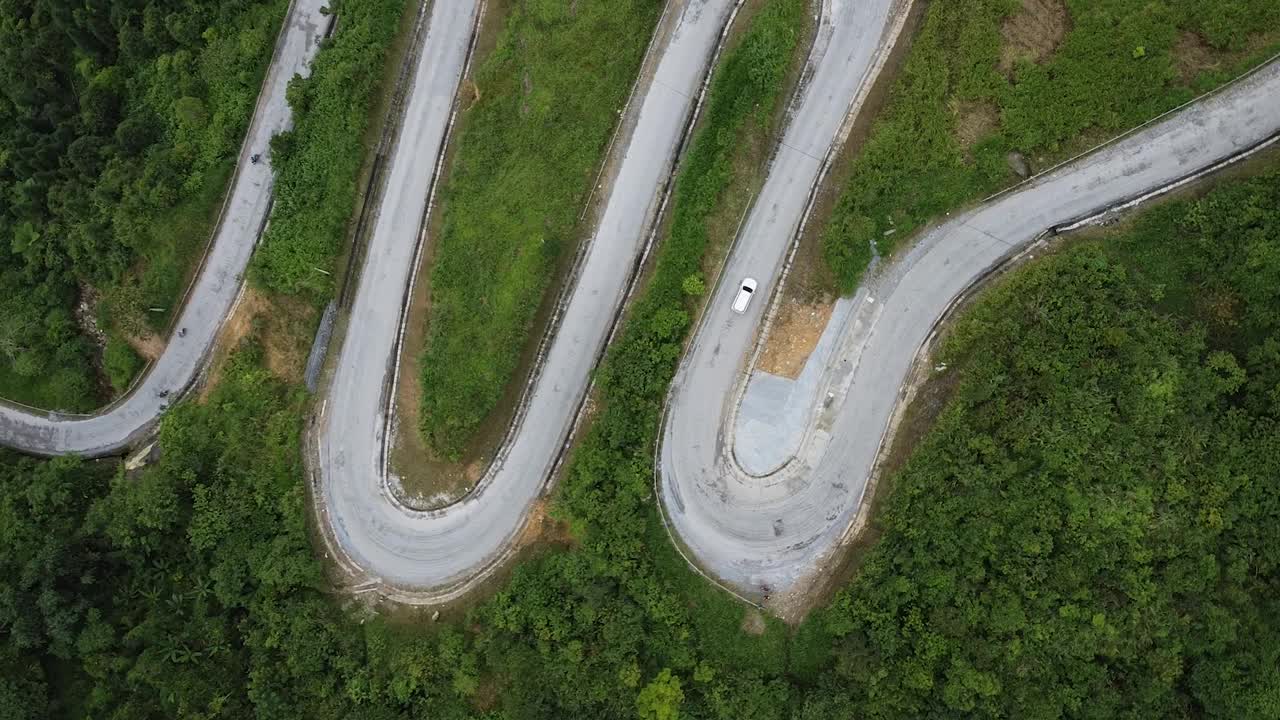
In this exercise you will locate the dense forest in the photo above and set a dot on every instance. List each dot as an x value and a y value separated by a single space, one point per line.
1092 528
119 122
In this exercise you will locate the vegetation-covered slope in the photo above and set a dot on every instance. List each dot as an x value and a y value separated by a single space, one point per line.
1092 529
319 161
118 123
191 590
527 153
1040 77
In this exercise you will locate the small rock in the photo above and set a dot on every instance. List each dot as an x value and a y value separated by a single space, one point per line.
1018 163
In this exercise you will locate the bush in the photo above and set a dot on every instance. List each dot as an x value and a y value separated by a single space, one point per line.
318 163
120 362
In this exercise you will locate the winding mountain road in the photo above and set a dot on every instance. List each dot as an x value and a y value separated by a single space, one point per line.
760 532
214 294
772 531
431 556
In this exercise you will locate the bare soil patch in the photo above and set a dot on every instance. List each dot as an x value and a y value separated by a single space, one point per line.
975 119
1192 56
793 336
233 333
149 345
544 528
286 333
282 324
427 482
1033 33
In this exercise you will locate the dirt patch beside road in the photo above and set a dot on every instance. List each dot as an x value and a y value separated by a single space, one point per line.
543 528
753 623
148 344
1193 56
794 335
282 324
807 297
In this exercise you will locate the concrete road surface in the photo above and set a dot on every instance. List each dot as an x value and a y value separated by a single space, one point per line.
209 302
429 556
773 531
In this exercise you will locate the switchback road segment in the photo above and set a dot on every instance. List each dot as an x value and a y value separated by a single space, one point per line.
761 533
431 556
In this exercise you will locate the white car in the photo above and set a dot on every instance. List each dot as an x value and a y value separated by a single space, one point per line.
745 291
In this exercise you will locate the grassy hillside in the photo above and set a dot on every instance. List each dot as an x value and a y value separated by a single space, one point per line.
319 161
527 153
1044 78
